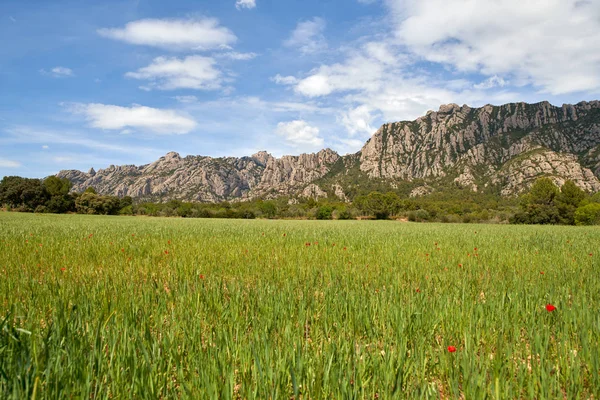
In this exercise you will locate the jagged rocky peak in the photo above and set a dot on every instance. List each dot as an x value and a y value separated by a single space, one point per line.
262 157
502 148
92 172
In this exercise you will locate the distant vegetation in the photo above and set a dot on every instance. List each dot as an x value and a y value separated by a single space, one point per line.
545 203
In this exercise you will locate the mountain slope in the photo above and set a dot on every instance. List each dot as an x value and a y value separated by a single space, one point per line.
494 148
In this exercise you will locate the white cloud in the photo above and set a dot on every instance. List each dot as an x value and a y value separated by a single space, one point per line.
299 133
361 71
358 120
249 4
161 121
173 34
491 82
29 135
4 163
284 80
186 99
45 147
234 55
58 72
169 73
308 36
551 44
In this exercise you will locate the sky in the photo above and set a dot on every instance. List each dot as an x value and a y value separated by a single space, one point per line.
96 83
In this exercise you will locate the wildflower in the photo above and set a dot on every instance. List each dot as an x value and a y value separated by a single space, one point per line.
316 243
63 269
451 349
460 265
541 272
284 235
591 254
475 249
550 307
307 244
344 248
167 252
201 276
122 249
418 290
333 245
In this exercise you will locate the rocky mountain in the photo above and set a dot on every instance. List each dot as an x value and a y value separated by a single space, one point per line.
499 149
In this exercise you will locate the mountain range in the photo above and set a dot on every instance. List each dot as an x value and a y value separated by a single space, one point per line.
495 149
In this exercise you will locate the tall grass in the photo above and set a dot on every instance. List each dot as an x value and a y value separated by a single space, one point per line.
117 307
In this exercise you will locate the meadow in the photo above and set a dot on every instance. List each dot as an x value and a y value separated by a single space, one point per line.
133 307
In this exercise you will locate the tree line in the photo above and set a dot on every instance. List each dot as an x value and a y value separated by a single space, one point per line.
544 203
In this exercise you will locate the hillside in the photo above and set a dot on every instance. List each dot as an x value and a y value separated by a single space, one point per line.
499 149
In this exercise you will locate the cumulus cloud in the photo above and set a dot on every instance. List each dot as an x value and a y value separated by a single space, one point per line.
4 163
249 4
58 72
308 36
551 44
111 117
169 73
299 133
358 120
173 34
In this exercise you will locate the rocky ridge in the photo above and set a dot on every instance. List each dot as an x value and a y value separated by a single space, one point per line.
500 148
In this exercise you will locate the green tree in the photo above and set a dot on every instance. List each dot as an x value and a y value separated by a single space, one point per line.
23 193
588 214
325 212
380 205
57 186
567 201
538 206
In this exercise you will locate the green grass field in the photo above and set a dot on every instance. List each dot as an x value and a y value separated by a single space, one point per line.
125 307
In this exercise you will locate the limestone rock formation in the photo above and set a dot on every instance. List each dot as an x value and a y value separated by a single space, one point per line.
503 148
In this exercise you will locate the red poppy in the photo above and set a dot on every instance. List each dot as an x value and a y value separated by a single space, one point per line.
316 243
460 265
284 234
122 249
590 254
475 249
344 248
63 269
542 272
307 244
451 349
201 276
418 290
167 252
550 307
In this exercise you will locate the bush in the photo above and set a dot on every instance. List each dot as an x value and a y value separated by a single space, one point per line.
588 214
324 212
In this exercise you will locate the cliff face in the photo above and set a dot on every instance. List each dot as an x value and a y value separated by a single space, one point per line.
208 179
475 144
503 147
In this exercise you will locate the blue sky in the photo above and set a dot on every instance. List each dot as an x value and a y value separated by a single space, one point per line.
89 84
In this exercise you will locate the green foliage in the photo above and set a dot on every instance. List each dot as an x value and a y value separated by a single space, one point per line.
569 198
546 204
91 203
57 186
325 212
588 214
380 205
